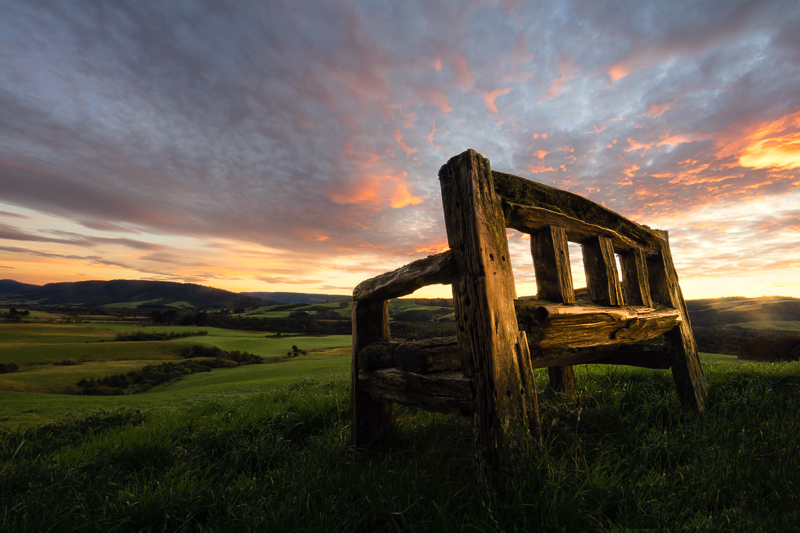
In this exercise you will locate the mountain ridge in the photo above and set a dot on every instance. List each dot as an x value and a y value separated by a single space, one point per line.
147 294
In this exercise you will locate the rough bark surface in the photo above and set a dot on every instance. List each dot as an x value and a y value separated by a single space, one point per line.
562 326
443 392
690 381
656 357
550 252
421 357
430 355
371 422
433 269
523 192
635 282
486 324
600 266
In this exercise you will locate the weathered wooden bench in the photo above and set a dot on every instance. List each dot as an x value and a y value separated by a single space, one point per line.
486 371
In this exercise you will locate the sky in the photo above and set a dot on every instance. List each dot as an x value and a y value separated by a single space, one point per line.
294 146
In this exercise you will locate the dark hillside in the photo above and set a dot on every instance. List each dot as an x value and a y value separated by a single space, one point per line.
9 286
296 297
721 312
149 293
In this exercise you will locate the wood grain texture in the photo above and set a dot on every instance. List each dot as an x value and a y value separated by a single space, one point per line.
550 253
562 326
523 192
635 280
433 269
486 323
644 356
421 357
690 381
371 422
443 392
600 266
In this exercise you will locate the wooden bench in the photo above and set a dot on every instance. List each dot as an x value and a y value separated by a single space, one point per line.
486 371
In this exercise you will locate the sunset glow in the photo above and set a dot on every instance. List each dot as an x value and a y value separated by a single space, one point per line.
155 143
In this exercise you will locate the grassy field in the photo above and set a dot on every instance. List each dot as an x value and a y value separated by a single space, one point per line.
789 326
230 452
39 348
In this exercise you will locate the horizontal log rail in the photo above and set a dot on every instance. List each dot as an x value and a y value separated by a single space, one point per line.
644 356
561 326
531 220
422 357
439 268
517 190
443 392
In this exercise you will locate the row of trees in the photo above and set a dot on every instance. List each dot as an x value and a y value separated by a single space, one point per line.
14 315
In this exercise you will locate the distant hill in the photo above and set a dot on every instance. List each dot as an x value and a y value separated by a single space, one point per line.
297 297
124 293
766 312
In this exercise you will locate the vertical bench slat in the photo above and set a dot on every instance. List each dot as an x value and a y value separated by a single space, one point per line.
550 251
371 422
687 372
635 283
486 322
601 271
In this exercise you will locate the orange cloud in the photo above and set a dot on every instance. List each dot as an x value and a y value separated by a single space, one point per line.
540 154
539 168
631 170
488 98
782 151
378 187
433 132
398 136
619 71
567 71
402 197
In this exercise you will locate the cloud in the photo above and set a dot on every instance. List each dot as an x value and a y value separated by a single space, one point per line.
315 133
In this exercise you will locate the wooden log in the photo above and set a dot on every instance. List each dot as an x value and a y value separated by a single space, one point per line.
655 357
600 266
528 381
561 326
687 372
421 357
443 392
429 355
371 422
635 280
523 192
486 324
550 252
433 269
377 356
562 379
532 220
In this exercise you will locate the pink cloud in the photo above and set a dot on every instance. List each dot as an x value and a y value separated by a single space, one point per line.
488 99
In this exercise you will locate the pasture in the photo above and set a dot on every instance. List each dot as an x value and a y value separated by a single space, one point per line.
271 453
40 348
266 447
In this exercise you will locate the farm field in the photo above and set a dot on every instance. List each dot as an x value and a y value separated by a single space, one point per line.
227 451
39 350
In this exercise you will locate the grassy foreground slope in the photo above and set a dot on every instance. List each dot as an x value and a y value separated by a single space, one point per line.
210 457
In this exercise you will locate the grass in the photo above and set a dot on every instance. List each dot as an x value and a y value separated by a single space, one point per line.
51 378
275 457
780 325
